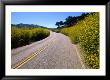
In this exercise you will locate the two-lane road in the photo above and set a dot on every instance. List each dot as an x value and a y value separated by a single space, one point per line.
53 52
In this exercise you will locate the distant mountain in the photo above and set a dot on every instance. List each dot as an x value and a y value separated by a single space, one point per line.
52 29
21 25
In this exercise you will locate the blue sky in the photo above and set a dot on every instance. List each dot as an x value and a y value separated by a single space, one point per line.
47 19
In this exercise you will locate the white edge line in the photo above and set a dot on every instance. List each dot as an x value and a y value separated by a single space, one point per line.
83 66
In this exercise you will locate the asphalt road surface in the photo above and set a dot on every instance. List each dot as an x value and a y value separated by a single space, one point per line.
53 52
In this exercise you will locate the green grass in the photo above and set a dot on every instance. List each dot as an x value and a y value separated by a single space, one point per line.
23 36
56 30
86 34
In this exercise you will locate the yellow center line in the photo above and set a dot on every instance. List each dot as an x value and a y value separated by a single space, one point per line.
27 59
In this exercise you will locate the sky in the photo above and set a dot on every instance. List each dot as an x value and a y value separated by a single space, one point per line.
46 19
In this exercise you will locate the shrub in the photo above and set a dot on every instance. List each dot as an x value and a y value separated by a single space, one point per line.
23 36
56 30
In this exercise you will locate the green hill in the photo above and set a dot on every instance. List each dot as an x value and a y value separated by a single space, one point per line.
86 34
24 36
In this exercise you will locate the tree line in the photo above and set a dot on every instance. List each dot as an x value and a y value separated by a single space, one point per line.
70 20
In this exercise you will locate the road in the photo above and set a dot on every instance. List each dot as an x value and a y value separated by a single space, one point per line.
53 52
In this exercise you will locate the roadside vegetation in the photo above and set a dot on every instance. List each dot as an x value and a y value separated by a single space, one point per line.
84 31
24 36
56 30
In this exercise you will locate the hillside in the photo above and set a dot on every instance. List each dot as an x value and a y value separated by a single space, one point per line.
85 33
22 25
24 36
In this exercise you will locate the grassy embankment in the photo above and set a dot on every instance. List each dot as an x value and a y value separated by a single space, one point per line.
23 36
86 34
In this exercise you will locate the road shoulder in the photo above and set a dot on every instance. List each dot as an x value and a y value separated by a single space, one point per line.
80 55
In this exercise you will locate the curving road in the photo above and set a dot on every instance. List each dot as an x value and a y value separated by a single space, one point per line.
53 52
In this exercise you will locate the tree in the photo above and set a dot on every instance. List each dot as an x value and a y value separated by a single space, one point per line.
83 15
68 21
59 24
